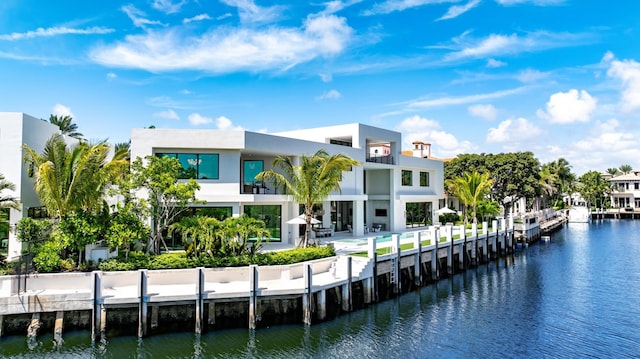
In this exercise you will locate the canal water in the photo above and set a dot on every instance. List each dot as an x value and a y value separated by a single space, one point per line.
576 296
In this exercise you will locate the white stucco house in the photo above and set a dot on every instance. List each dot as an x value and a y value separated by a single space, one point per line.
17 129
389 191
625 189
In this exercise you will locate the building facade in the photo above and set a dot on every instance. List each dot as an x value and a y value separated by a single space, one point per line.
625 190
16 130
389 191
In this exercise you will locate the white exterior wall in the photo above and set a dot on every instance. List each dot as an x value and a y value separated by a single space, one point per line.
17 129
383 179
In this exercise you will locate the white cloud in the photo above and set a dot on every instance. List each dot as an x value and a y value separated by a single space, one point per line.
111 76
487 112
168 6
444 144
169 114
447 101
458 10
325 77
138 17
333 6
249 12
62 110
55 31
390 6
498 44
224 16
628 71
223 123
330 95
493 63
569 107
531 75
533 2
225 50
196 119
200 17
513 131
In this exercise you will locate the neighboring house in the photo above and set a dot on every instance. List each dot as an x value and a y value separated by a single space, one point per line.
625 190
17 129
389 191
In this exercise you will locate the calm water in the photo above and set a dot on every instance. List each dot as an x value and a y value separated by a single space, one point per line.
574 297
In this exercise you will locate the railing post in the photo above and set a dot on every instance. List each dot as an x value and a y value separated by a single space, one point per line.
253 295
199 299
308 293
143 303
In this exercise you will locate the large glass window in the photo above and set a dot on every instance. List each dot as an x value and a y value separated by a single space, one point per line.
270 215
418 214
407 178
197 165
251 168
424 179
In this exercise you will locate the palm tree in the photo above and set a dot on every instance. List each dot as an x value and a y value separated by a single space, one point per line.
613 171
66 125
238 231
7 201
625 169
70 179
471 189
200 235
310 182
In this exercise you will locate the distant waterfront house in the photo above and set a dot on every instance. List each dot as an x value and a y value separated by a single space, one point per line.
389 191
17 129
625 190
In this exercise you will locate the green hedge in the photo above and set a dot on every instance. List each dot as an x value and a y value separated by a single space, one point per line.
178 260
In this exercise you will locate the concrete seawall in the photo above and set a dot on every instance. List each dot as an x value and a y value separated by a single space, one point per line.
146 302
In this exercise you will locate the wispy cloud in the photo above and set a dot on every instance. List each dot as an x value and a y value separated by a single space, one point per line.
330 95
390 6
458 10
197 119
461 100
61 110
168 6
493 63
532 2
498 44
138 17
225 50
249 12
168 114
332 7
200 17
55 31
486 112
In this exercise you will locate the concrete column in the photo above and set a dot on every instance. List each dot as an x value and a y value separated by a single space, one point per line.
199 299
253 294
395 240
358 218
474 244
346 288
374 278
371 247
417 263
449 234
322 304
57 328
308 293
494 248
143 303
96 294
463 247
434 256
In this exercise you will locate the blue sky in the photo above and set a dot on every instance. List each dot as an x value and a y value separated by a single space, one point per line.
560 78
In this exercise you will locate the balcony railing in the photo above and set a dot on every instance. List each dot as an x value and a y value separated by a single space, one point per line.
387 160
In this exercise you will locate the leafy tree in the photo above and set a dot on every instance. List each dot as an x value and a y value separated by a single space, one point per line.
72 178
125 228
593 188
66 125
488 209
471 189
625 169
166 196
79 229
549 181
310 182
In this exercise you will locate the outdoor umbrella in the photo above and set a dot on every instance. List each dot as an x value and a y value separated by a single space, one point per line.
445 210
301 220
